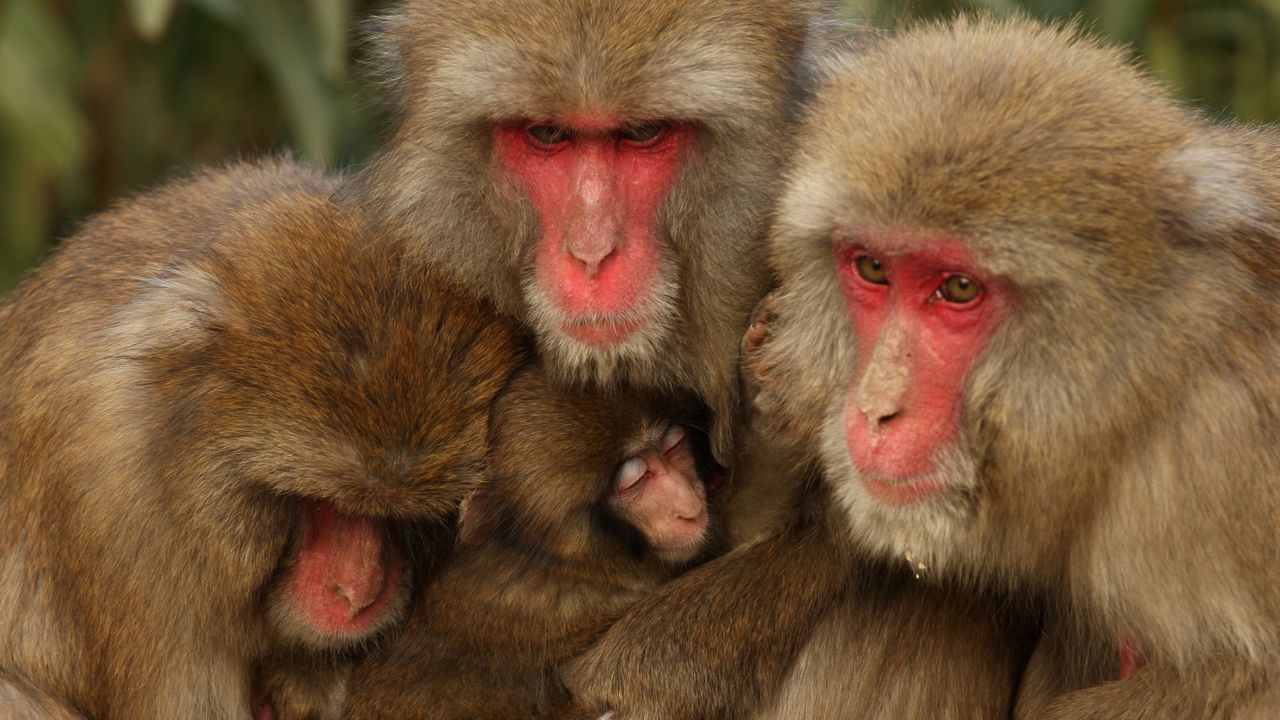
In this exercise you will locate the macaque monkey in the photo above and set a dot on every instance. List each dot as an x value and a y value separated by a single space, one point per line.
1029 315
232 430
593 500
601 169
810 623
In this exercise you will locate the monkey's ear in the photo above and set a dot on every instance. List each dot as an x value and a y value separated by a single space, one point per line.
180 307
477 516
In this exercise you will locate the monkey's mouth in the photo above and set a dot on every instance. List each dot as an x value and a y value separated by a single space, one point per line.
347 572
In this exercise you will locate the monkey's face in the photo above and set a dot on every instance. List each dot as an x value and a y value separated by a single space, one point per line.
602 280
922 312
657 491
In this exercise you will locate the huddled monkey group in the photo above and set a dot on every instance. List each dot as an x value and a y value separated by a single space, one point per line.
672 359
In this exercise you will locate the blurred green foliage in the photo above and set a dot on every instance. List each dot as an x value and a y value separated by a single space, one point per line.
100 98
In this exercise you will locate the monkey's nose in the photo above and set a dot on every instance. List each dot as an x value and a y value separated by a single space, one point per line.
590 256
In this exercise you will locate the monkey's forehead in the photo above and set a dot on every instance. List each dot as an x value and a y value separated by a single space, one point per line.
1009 130
639 58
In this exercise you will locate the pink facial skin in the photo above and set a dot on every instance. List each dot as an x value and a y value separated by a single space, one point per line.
597 195
346 574
918 348
658 490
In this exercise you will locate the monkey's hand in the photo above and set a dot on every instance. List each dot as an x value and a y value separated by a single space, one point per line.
1223 693
753 373
717 641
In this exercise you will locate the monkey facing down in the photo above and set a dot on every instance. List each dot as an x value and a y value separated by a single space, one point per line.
601 169
1038 303
232 431
592 501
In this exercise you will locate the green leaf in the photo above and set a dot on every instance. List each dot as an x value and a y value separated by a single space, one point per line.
229 11
37 102
151 16
278 35
1127 21
331 19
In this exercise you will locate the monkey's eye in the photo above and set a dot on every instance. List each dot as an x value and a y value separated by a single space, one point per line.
631 472
871 270
673 438
644 133
960 289
549 135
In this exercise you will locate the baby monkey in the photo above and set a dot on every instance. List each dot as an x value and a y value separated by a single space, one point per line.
592 501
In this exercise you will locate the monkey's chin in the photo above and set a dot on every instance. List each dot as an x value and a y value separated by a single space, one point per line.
676 555
603 349
603 332
925 517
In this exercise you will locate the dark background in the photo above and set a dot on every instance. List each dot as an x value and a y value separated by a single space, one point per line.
100 98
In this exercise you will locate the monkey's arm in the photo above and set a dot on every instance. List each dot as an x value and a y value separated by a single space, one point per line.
1219 693
718 640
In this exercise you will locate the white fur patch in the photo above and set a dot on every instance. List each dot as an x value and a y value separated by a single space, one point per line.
1221 200
168 311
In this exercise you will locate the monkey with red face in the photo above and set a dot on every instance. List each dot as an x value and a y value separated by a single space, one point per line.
232 433
592 501
601 169
1050 308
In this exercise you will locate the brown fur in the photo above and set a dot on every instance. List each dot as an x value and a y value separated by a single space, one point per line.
177 377
733 68
798 626
1125 420
21 701
551 565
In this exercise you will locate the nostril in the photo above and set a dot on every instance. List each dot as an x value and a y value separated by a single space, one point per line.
879 421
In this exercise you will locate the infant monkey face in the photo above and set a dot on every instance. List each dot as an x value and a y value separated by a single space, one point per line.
659 492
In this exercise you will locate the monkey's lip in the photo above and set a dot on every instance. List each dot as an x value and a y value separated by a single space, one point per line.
900 493
603 331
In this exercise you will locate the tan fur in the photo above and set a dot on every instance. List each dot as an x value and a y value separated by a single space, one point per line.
735 69
177 376
898 649
1123 422
551 565
716 642
20 701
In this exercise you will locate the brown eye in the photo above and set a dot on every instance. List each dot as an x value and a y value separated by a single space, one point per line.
644 133
871 270
549 134
960 289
